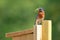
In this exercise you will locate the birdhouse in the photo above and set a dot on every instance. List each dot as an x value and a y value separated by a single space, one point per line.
40 32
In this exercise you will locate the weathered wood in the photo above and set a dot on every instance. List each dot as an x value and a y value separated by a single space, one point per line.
31 34
23 37
38 32
12 34
46 31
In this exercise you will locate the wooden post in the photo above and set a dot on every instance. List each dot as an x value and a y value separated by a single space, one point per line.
45 31
40 32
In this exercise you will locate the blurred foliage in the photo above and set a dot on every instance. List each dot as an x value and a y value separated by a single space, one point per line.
16 15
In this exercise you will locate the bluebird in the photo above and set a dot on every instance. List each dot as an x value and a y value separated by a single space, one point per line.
40 17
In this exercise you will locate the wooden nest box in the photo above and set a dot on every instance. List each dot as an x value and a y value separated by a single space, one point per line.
32 34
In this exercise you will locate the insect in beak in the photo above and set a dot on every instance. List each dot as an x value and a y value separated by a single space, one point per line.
36 9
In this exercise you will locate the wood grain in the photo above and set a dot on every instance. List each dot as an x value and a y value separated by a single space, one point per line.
31 34
46 30
23 37
19 33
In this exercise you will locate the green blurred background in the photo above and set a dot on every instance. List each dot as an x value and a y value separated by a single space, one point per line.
17 15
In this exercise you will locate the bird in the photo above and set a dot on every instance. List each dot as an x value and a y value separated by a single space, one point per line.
40 16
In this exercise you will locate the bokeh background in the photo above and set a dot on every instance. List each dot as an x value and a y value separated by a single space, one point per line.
17 15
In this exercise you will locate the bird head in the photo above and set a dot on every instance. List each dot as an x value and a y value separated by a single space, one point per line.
40 10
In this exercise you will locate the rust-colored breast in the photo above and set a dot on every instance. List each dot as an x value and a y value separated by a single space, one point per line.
40 15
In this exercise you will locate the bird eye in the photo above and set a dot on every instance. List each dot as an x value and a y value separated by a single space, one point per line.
40 9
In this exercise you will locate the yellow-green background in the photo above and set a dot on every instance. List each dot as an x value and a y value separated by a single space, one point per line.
17 15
